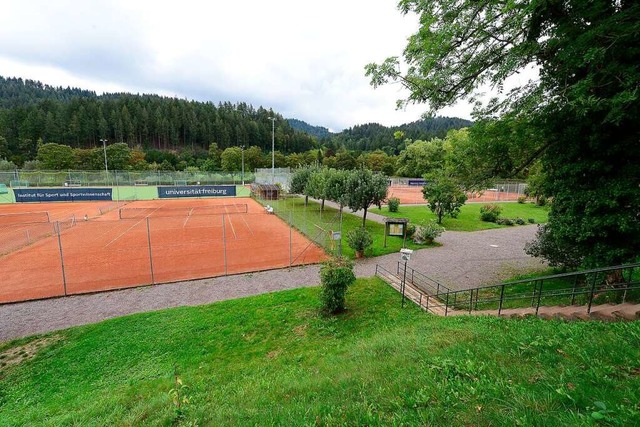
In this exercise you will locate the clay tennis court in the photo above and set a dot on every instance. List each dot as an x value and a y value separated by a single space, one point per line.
139 243
409 195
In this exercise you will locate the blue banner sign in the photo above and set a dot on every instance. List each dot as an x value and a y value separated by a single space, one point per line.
197 191
61 194
420 182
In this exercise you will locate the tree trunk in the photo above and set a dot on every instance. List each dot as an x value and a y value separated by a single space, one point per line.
364 217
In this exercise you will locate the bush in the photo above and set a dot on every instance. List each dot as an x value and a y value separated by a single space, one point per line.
519 221
410 230
490 213
557 252
541 201
522 199
426 233
531 221
394 203
335 276
359 239
504 221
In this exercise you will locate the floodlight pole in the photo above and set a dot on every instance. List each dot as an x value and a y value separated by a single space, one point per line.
242 148
106 168
273 149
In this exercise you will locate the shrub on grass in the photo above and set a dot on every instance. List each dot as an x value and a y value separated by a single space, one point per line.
557 251
490 212
531 221
522 199
359 239
394 203
519 221
427 232
410 230
335 276
504 221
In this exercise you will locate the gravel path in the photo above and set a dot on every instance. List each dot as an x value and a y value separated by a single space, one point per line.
464 260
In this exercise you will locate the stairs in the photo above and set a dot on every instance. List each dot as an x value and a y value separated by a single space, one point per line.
603 312
427 301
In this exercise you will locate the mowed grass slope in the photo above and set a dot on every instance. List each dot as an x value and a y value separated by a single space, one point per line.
469 217
272 360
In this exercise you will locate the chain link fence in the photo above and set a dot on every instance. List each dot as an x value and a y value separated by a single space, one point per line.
322 227
80 255
39 178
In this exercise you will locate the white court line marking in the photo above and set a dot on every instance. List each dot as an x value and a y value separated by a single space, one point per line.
247 224
232 229
127 230
188 218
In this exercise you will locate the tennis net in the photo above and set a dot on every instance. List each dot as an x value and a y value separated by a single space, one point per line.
24 217
132 213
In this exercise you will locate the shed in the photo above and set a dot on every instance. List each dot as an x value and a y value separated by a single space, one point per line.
266 191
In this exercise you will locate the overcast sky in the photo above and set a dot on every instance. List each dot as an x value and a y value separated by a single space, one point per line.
303 59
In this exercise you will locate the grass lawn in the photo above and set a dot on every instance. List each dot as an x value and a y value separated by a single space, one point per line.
311 222
272 360
469 217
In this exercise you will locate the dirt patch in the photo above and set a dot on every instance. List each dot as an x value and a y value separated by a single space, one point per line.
273 354
23 353
300 330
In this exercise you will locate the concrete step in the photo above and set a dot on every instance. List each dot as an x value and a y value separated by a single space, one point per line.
602 312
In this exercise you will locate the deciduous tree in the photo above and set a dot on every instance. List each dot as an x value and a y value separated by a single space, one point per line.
581 113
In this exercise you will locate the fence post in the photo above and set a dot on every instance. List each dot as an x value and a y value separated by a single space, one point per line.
471 300
573 291
446 306
224 243
539 296
153 281
624 295
501 298
64 277
593 288
533 295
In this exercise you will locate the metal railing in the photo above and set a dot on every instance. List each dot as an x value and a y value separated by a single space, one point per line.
615 284
423 294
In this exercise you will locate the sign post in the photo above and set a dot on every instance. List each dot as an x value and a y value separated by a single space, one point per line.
405 255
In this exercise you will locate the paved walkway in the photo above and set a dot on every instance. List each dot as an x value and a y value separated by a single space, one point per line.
464 260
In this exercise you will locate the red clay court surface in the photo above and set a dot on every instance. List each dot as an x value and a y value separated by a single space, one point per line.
105 252
410 195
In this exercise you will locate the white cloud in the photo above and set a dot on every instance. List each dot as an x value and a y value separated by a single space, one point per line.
305 60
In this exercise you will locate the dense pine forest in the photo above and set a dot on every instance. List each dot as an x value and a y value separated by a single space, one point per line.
171 133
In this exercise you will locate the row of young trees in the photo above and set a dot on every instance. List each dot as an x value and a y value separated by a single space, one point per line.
357 189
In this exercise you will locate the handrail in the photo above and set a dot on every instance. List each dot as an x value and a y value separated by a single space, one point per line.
590 288
423 299
439 287
574 273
